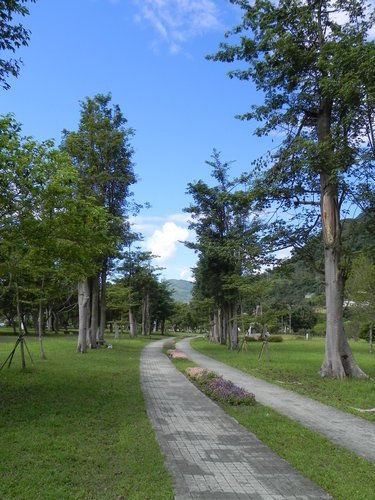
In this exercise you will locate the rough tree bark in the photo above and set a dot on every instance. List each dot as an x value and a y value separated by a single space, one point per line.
84 315
41 330
338 359
94 320
233 327
132 323
103 303
146 325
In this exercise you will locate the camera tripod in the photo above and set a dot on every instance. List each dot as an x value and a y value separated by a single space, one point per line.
22 342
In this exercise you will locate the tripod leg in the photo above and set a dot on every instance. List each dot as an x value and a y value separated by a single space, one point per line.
10 357
31 359
23 362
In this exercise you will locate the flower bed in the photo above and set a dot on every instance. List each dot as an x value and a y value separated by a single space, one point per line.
176 354
218 388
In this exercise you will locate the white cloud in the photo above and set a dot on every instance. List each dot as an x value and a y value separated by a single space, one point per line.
177 21
186 274
163 242
148 224
183 218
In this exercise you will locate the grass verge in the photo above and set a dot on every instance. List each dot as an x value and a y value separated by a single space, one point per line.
339 472
75 427
294 365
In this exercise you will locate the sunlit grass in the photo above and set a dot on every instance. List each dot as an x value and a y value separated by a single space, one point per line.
294 364
338 471
75 426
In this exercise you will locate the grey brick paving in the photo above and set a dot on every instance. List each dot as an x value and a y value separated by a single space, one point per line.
349 431
209 455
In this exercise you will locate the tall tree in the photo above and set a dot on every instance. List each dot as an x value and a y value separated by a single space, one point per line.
315 67
12 36
162 305
102 153
226 242
49 236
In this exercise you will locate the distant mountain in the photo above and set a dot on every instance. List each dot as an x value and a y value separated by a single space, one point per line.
181 290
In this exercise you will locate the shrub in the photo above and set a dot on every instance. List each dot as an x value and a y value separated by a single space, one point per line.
364 332
320 329
275 338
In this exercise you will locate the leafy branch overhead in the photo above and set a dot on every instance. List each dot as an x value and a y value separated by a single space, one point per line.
13 35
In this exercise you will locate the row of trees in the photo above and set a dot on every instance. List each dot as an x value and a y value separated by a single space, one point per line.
313 62
65 220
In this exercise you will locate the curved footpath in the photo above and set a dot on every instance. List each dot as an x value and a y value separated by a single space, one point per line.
210 455
344 429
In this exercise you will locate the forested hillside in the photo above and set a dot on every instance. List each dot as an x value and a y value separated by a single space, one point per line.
181 290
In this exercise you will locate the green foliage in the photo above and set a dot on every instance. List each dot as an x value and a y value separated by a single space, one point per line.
314 65
102 154
226 233
364 331
13 36
320 329
50 236
275 339
303 317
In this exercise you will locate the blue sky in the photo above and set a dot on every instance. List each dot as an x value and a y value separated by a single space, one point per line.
150 54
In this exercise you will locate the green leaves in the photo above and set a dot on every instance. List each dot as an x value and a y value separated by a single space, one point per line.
226 231
12 37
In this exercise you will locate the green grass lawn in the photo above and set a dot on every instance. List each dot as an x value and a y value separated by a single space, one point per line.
338 471
75 426
294 364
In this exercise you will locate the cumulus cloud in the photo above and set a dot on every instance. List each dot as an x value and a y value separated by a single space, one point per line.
177 21
163 242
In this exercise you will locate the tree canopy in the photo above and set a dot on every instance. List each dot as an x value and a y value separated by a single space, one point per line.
313 63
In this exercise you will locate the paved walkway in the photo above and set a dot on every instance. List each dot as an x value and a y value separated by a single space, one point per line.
349 431
210 456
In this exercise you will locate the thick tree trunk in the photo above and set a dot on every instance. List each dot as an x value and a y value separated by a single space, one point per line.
214 326
217 324
132 323
224 333
20 323
103 305
338 360
49 320
84 315
94 320
41 330
146 326
233 327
